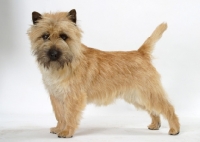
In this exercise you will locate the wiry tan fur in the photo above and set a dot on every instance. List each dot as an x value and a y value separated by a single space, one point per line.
95 76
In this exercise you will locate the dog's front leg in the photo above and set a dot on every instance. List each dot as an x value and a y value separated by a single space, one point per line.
73 107
58 110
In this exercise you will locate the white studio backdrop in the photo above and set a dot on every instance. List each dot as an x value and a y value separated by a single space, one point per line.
107 25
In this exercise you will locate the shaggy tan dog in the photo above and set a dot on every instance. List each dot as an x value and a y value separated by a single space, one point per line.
75 74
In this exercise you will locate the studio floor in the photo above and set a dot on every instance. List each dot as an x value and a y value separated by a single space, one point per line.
95 128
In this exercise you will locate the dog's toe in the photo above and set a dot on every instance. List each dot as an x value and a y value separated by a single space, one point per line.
154 126
65 134
61 137
52 132
173 132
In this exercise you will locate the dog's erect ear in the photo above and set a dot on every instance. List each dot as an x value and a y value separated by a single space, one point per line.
36 16
72 15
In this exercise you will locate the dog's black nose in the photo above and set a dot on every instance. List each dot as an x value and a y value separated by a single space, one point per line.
54 54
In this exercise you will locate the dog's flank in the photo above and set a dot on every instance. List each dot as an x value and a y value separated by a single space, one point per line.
75 74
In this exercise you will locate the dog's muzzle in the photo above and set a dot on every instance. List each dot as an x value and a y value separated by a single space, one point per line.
54 54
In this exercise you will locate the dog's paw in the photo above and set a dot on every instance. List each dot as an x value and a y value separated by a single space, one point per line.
54 130
173 132
65 134
154 126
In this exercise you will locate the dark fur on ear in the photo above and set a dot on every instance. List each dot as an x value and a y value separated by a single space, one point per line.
36 16
72 15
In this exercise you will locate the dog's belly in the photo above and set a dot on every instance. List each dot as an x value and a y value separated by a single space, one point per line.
132 96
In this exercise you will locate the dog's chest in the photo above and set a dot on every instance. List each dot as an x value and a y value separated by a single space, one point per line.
56 85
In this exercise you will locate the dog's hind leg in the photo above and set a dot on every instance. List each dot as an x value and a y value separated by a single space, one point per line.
160 105
169 113
155 123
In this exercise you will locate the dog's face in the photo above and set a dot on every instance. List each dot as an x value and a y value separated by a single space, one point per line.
55 38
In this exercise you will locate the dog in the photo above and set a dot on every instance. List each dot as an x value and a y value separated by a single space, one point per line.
75 75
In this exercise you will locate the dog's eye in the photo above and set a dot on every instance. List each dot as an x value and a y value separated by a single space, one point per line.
63 36
45 36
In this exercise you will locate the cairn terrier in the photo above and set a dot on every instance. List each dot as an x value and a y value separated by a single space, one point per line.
75 74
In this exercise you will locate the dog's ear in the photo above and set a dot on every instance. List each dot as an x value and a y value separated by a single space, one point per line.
72 15
36 16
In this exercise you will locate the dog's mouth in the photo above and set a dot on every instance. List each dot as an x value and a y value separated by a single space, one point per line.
53 59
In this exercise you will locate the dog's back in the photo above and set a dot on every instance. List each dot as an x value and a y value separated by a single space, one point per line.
119 74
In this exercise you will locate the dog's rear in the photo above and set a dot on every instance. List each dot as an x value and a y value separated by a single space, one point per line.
131 76
154 98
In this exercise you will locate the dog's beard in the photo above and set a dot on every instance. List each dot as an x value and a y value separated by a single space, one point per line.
46 62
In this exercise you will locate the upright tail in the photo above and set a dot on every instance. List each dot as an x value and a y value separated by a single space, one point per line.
148 45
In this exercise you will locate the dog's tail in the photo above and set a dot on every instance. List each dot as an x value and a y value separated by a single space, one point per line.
148 45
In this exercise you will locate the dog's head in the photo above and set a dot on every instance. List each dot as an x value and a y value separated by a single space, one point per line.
55 38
